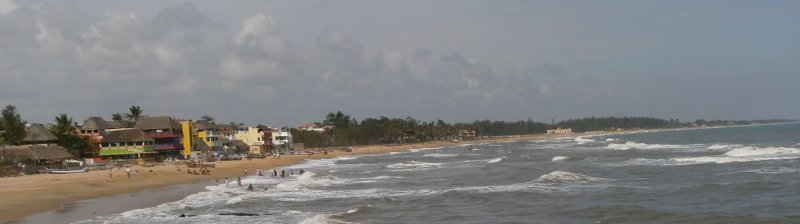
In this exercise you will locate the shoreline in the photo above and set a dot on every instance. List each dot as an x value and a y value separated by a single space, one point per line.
28 196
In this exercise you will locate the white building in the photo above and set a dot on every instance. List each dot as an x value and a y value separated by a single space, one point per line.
559 131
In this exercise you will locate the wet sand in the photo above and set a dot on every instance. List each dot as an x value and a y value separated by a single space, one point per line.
66 196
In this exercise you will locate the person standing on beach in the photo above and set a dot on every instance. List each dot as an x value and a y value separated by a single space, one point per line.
110 174
258 171
239 182
245 172
128 170
274 172
283 173
226 181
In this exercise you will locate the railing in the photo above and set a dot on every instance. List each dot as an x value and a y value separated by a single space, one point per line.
166 134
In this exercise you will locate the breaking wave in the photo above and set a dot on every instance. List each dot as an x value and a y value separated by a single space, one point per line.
436 155
561 176
560 158
636 145
495 160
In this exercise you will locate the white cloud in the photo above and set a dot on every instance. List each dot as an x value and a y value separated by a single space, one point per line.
7 6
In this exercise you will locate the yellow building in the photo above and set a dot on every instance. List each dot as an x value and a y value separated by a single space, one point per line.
199 138
186 139
251 136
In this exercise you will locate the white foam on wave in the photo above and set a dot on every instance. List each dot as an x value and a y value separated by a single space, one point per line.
611 139
555 181
308 180
581 140
750 151
560 158
321 218
736 155
421 149
414 166
436 155
722 146
495 160
561 176
636 145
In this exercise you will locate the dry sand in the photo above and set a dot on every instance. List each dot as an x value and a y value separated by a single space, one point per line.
26 195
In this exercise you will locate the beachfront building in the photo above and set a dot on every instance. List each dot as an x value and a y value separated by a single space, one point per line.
127 143
281 139
467 134
166 133
559 131
34 157
314 127
209 133
96 127
252 136
37 134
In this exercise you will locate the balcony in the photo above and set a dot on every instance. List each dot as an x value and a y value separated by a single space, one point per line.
166 134
168 146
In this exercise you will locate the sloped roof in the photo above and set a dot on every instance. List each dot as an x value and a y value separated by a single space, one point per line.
126 135
226 127
38 133
205 125
95 123
200 145
36 152
116 124
157 123
241 143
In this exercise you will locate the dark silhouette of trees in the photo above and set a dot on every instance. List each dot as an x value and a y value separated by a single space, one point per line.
12 126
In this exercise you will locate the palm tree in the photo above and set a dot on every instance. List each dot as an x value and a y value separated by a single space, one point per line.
63 125
134 115
116 117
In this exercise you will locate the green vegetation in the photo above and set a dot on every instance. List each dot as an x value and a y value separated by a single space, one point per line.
347 131
67 137
134 115
12 127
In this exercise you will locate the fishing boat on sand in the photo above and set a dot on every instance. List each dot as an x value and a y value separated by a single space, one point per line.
65 171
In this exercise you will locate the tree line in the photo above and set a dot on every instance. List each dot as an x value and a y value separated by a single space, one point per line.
348 131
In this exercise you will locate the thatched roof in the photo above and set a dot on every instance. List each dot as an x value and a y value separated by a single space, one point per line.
97 123
38 133
35 152
240 143
157 123
117 124
200 145
126 135
205 125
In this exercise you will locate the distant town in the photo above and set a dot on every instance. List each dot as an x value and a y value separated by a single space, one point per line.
134 137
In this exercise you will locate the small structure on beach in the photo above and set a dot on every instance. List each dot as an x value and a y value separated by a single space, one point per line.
37 134
34 157
559 131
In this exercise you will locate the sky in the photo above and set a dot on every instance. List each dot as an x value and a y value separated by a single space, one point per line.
285 63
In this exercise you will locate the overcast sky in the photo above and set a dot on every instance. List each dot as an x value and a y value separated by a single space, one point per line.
289 62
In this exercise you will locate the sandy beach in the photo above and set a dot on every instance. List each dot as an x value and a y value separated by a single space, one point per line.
26 195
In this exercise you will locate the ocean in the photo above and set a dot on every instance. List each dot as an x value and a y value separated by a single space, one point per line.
745 174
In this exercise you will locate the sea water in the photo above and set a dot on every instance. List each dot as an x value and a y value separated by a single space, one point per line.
737 174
